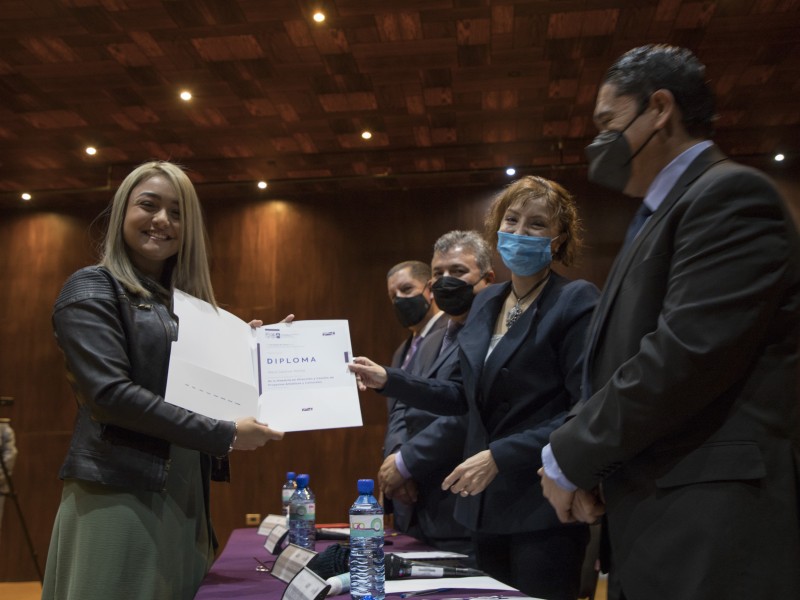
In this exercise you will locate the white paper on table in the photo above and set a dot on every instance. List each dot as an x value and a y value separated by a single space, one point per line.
303 374
424 555
465 583
292 376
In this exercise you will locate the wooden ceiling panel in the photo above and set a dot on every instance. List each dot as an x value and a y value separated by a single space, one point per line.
427 54
451 89
232 47
330 41
401 26
694 15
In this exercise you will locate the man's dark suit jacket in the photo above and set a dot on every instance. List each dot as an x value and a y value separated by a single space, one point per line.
514 400
692 426
396 431
434 447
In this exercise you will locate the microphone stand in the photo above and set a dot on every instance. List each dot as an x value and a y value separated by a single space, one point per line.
12 493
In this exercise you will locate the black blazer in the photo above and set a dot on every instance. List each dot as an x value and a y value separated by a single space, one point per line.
693 424
435 446
396 432
395 428
523 392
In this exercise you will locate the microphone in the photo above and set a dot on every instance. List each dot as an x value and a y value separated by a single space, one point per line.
400 568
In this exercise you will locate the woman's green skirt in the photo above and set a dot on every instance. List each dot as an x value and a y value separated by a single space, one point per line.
130 544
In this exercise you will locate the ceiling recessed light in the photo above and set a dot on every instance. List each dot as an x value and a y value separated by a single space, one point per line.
186 95
511 171
779 157
262 185
366 134
26 196
319 16
91 150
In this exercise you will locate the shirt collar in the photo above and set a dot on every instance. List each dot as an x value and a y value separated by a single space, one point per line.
430 323
670 174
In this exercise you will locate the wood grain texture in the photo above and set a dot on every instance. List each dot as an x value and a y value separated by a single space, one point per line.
451 89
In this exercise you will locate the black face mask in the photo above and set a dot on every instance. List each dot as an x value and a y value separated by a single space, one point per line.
610 156
410 311
453 295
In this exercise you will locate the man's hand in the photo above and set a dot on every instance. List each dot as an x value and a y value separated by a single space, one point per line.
588 507
389 477
473 475
368 373
560 498
406 493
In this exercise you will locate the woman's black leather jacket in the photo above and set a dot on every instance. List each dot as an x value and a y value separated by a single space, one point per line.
117 345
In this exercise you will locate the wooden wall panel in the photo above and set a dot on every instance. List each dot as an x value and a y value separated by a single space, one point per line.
39 251
321 257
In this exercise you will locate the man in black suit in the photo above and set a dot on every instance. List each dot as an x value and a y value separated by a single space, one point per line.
688 431
409 288
461 267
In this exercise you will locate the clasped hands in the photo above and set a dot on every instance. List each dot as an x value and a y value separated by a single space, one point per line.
469 478
581 505
393 485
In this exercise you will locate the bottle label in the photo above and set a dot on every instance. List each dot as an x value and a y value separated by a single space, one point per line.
287 495
366 525
305 512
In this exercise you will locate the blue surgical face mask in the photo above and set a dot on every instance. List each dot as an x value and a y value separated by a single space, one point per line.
524 254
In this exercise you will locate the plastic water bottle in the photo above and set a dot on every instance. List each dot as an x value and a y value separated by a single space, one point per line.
367 574
286 493
302 513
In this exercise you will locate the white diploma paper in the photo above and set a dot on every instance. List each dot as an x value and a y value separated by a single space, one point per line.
466 583
292 376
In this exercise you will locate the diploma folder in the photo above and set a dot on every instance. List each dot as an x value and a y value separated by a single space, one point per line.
291 376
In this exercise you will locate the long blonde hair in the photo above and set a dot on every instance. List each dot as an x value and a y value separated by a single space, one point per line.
188 270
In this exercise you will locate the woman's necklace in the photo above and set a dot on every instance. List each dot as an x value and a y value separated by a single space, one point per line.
516 311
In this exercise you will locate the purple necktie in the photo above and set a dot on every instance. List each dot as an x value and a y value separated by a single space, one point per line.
450 335
412 349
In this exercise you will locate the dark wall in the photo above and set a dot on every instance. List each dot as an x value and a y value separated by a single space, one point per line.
323 257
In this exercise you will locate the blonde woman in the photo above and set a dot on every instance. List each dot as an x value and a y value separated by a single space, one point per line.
134 518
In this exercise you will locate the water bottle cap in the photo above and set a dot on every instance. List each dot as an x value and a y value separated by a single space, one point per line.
302 480
365 486
291 475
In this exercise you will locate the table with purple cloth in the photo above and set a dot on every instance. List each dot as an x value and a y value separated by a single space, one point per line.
234 574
